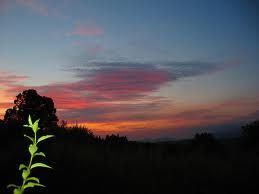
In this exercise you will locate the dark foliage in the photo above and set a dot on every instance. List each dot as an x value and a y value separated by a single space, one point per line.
29 102
63 124
85 163
205 142
250 134
115 139
76 134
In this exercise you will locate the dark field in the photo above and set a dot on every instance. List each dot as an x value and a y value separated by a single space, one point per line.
85 164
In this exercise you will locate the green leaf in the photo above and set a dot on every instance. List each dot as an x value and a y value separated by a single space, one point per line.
33 179
44 138
17 191
35 126
25 174
40 154
29 120
40 165
22 166
32 184
12 185
33 148
30 138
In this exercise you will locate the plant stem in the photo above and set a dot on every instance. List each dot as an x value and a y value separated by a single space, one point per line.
29 166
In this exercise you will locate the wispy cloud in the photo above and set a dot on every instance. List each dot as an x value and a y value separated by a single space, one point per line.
7 78
86 30
102 83
42 8
117 97
130 80
9 81
123 84
3 6
176 70
35 5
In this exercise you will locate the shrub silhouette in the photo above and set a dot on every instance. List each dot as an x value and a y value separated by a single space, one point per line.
30 103
204 141
115 139
77 134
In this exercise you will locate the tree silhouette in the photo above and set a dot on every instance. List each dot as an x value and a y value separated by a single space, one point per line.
29 102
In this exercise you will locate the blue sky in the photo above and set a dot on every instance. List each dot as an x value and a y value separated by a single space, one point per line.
216 41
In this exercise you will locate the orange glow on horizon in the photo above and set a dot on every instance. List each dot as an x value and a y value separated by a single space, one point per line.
131 116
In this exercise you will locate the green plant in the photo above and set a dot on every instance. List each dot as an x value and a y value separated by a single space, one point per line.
28 180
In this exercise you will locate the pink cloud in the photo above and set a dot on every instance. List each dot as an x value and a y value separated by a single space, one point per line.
105 86
117 100
9 84
7 79
95 93
127 83
84 30
39 7
35 5
121 95
64 98
3 6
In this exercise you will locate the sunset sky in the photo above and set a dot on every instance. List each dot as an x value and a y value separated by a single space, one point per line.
141 68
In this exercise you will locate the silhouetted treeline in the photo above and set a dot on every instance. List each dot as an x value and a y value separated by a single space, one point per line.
206 142
89 164
85 163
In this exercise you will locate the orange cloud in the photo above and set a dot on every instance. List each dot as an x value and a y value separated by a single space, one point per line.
9 84
163 121
119 100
